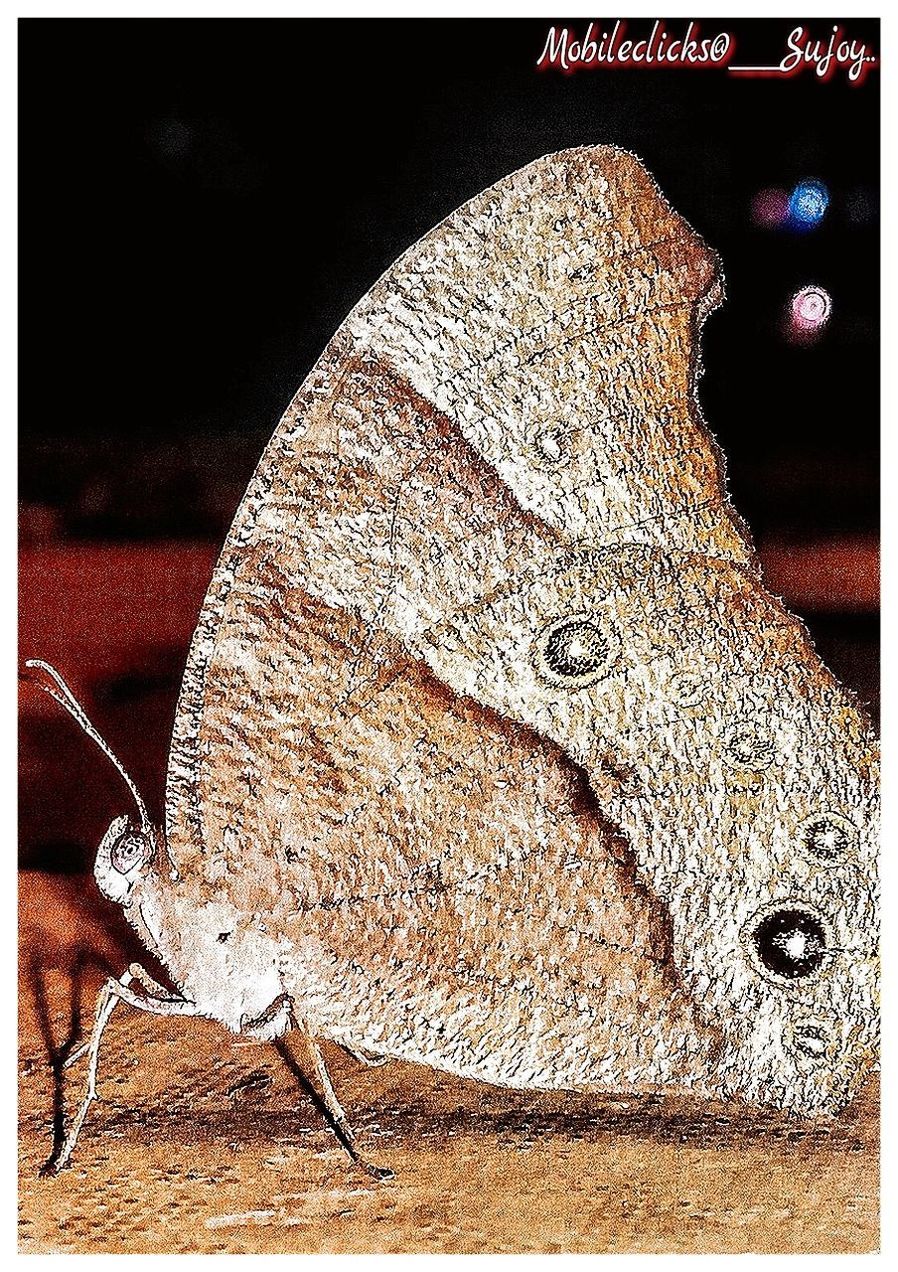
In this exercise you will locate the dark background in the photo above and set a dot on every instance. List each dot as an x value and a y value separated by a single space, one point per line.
202 201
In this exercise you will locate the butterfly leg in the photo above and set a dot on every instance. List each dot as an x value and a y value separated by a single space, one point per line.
138 973
152 986
327 1103
336 1111
113 992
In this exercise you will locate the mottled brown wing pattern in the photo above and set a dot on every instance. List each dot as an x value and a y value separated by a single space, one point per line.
445 885
481 492
554 319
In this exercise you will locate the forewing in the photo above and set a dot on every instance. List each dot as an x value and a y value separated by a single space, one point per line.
555 320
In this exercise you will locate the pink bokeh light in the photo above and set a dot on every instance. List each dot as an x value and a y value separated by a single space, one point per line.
809 312
769 208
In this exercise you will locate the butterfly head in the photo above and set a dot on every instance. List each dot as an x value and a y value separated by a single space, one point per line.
126 853
130 848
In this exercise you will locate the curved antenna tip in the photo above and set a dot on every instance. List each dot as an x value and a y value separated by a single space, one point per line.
62 694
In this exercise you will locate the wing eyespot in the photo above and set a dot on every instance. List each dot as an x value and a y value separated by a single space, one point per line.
810 1039
574 651
788 942
551 446
746 748
687 689
828 837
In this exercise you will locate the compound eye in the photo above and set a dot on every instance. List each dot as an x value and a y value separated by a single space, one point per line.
790 943
129 851
574 652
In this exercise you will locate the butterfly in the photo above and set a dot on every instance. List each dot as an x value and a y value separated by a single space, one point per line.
493 752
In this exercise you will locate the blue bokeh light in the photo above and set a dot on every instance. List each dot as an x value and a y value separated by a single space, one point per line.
807 205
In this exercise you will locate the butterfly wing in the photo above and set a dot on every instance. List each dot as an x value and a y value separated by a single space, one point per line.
442 883
525 499
553 319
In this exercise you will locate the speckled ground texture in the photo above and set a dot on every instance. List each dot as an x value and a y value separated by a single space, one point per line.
202 1142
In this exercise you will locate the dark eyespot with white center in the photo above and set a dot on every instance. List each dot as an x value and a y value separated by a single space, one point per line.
790 943
574 652
828 837
746 747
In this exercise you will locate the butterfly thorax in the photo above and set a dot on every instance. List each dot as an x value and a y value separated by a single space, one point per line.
217 957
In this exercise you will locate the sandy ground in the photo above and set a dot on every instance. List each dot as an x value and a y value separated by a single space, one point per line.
203 1142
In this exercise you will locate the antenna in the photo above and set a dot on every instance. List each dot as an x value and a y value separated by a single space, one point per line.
64 696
